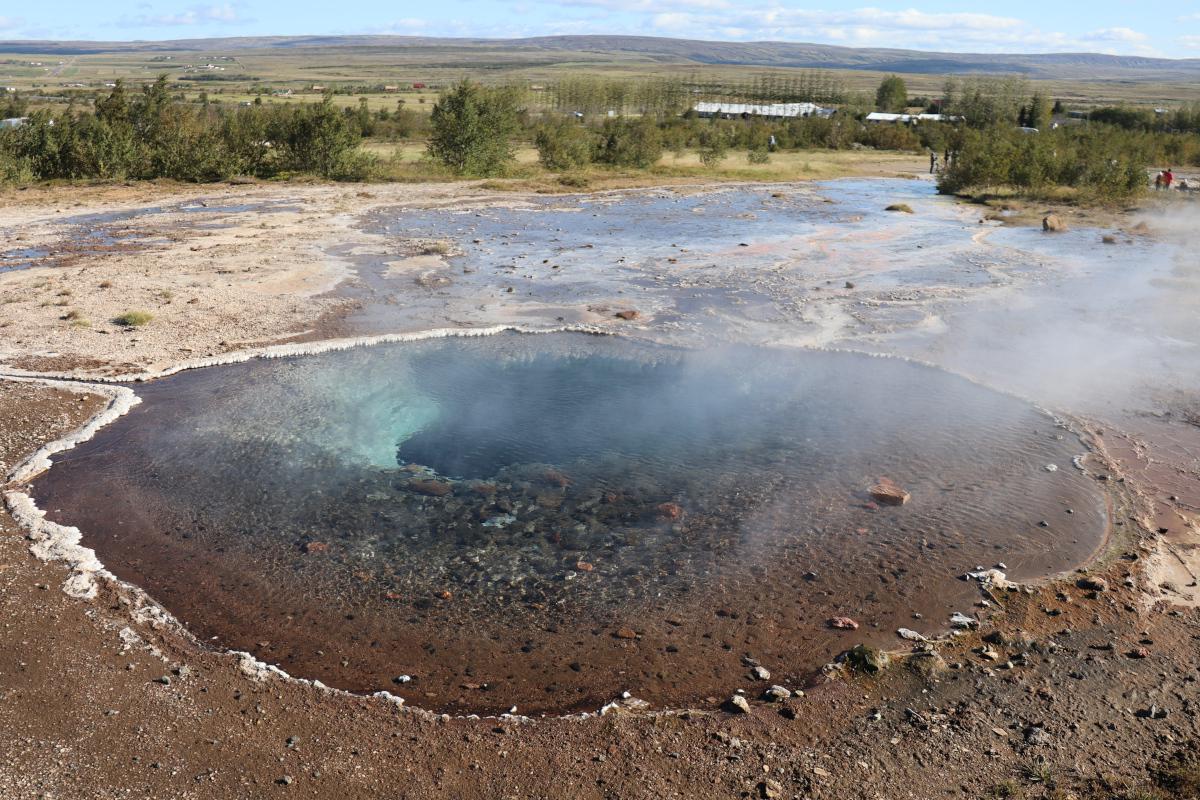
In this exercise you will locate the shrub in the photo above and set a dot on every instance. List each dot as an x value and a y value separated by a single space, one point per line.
473 128
564 145
629 143
133 319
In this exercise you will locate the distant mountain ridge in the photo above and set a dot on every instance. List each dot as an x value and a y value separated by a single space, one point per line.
693 51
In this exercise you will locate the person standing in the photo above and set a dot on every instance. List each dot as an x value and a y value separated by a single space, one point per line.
932 162
1168 178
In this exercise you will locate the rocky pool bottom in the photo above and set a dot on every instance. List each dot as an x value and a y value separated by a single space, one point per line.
547 521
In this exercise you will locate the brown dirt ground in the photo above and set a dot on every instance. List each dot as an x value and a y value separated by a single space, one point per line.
85 714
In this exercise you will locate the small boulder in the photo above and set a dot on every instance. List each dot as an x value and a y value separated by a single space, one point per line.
889 493
1092 583
776 694
843 623
629 315
862 658
739 704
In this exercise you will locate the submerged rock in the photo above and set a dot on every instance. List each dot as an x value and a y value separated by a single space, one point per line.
889 493
431 487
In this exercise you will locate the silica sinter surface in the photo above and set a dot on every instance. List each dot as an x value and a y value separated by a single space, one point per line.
549 520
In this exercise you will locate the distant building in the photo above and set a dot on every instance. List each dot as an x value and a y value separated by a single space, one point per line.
13 122
880 116
418 86
765 110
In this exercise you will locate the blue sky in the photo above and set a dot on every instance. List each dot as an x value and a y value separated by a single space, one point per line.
1169 28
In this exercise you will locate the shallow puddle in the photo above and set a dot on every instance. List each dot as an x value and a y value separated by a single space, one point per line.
548 520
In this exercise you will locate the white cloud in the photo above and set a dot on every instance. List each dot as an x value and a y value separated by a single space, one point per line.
1190 42
10 23
861 27
224 13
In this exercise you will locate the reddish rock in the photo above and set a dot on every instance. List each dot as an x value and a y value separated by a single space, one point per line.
669 511
843 623
431 487
888 493
549 500
556 478
584 566
625 633
446 595
316 547
629 315
1139 652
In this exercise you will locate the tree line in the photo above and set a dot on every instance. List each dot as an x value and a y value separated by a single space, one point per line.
147 134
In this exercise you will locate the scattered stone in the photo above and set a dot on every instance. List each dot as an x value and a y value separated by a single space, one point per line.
1138 652
770 789
888 493
1092 583
911 635
165 680
958 620
866 659
761 673
843 623
987 654
1036 735
739 704
776 694
625 633
628 315
316 547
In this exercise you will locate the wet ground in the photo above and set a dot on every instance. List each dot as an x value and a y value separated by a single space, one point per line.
96 234
545 521
1071 321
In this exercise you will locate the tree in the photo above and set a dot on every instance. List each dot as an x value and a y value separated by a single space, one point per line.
473 129
892 94
1040 112
714 146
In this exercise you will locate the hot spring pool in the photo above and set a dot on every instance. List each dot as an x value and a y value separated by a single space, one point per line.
549 520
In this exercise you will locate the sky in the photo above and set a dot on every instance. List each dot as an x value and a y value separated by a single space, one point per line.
1162 28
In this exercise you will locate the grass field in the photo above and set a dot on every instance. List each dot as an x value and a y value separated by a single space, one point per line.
364 69
407 162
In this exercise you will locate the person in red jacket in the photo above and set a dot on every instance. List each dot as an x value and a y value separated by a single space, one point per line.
1168 178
